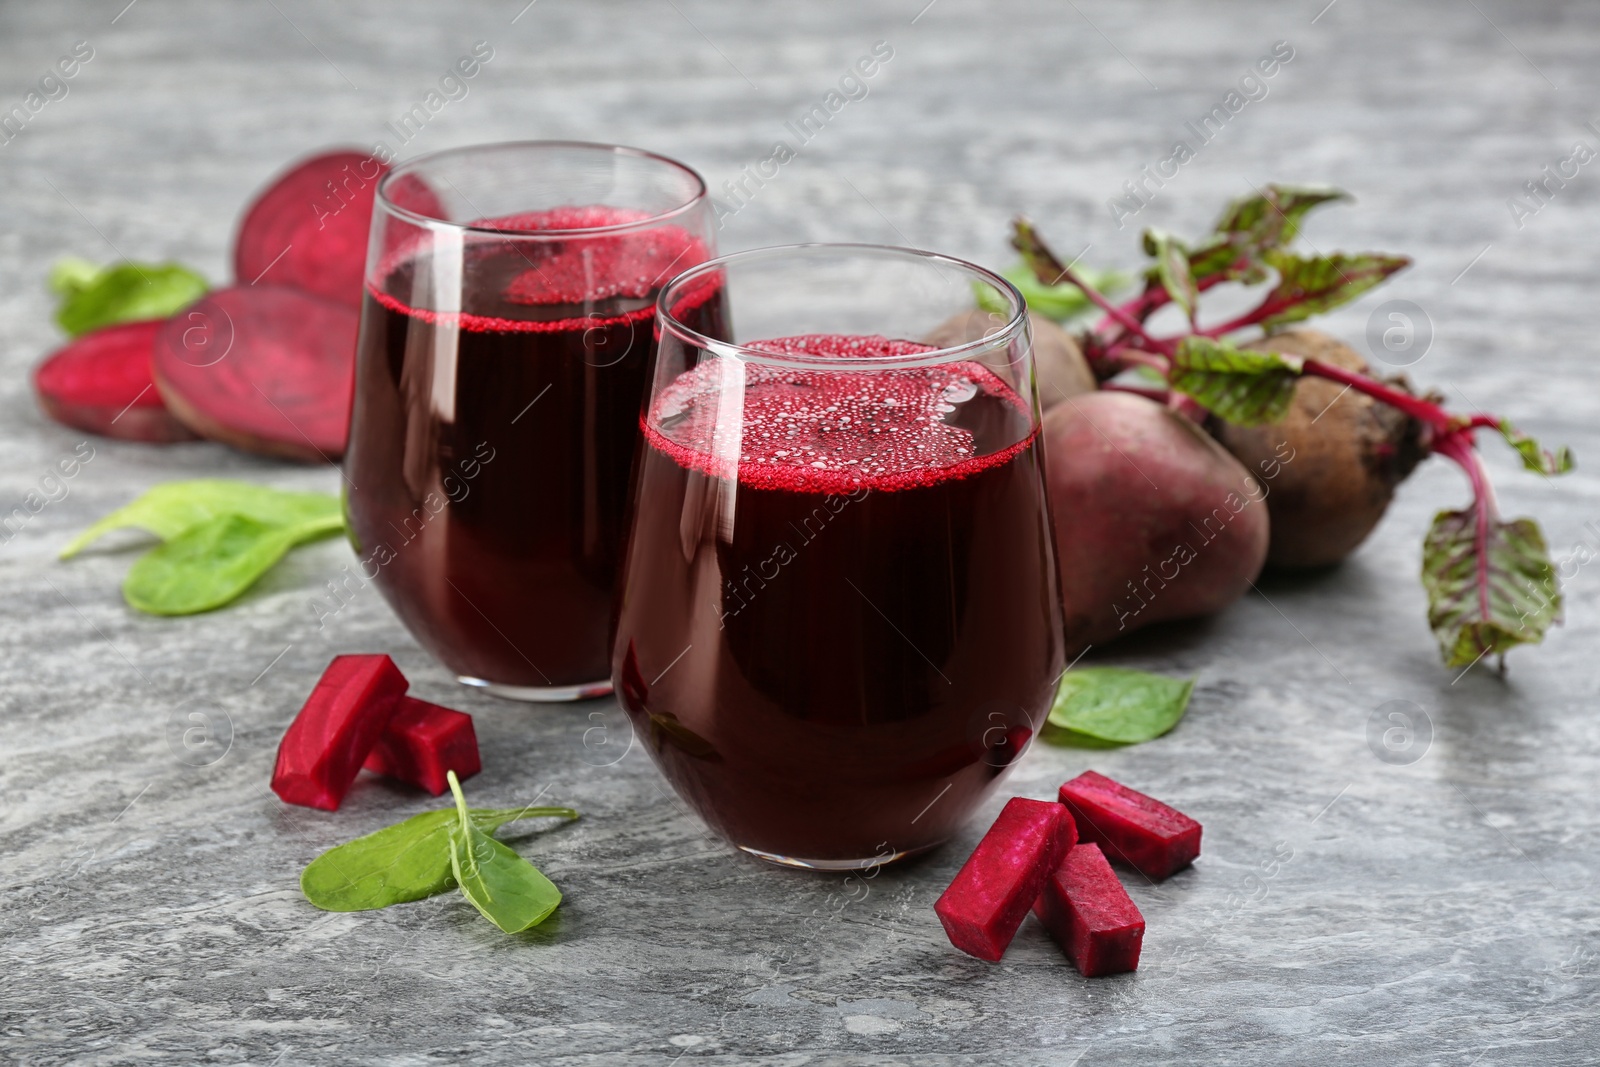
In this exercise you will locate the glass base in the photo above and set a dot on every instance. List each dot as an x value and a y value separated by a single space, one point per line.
867 864
539 694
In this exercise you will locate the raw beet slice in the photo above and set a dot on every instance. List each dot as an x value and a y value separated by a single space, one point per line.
1090 915
264 368
101 383
1131 828
308 229
323 749
993 891
422 742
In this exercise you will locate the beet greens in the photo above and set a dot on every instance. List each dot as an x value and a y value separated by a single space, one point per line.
1490 583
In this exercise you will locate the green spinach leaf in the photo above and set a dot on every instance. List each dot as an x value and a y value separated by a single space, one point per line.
169 509
407 861
507 889
93 297
220 537
72 274
1117 705
208 565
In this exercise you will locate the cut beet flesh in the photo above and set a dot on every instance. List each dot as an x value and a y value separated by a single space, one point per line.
1129 827
1090 915
101 383
263 368
993 891
342 719
422 742
308 229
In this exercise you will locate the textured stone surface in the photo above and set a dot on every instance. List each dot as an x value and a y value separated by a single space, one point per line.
1442 912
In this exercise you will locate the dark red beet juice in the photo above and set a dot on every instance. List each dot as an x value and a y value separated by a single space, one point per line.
491 444
840 619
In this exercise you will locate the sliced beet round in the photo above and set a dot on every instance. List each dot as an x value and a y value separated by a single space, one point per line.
264 368
308 229
101 383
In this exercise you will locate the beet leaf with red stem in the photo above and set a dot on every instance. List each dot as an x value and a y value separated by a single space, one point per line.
1489 581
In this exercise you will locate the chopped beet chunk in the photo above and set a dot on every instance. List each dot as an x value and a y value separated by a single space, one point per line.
1129 827
993 891
324 747
424 741
1090 915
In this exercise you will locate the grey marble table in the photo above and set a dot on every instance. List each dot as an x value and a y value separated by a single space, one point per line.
1437 912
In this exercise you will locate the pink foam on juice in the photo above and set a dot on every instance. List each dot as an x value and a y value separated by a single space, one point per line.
577 268
820 430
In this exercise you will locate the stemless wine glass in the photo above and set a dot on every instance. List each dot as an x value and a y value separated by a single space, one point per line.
505 350
840 618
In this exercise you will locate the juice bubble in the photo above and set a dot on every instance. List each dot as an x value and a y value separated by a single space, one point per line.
810 429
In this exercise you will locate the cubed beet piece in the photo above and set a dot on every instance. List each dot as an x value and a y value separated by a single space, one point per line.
1129 827
323 749
993 891
1090 915
422 742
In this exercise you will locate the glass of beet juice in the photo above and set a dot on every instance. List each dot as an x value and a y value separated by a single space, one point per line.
840 618
505 351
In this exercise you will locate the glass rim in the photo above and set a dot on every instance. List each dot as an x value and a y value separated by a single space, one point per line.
933 357
599 147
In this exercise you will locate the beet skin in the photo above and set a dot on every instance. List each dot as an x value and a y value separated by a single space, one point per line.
1154 520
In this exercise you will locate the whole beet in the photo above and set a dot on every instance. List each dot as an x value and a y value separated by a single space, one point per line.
1331 466
1058 361
1154 520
